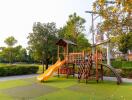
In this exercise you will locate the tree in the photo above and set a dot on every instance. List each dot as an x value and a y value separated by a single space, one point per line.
116 16
21 54
82 42
8 52
30 56
116 23
73 30
73 27
2 59
125 42
10 41
12 54
42 41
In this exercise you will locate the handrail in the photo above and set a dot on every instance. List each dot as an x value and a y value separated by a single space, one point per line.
119 80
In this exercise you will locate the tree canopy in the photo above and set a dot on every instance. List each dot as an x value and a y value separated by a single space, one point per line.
116 21
125 42
10 41
42 41
13 54
74 31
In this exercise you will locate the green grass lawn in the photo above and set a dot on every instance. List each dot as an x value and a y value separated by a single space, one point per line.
64 89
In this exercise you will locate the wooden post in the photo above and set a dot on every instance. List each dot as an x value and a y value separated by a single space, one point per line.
83 56
102 70
97 77
73 58
73 70
67 52
58 58
58 72
58 51
67 55
102 73
64 52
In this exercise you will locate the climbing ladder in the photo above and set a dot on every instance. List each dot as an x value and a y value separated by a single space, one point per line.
84 71
94 67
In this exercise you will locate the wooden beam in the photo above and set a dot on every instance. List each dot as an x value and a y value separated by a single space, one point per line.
58 51
101 43
96 57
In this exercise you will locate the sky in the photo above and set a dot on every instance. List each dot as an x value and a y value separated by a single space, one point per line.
17 16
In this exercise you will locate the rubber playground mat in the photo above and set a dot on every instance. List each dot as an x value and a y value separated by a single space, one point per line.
29 92
60 88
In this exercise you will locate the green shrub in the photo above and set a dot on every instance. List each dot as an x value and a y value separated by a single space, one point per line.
121 64
127 72
120 59
17 70
126 64
116 64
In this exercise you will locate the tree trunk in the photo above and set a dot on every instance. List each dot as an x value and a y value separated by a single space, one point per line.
47 62
10 57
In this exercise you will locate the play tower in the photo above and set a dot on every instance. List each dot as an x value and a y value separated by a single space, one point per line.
66 69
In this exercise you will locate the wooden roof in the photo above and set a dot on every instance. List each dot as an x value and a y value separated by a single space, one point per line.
63 42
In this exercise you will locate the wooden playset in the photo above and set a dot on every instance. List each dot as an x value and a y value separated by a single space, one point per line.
89 65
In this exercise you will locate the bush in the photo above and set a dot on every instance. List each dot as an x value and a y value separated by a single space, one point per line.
127 72
126 64
17 70
121 64
120 59
116 64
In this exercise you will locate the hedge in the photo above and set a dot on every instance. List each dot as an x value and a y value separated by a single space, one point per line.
126 72
121 64
17 70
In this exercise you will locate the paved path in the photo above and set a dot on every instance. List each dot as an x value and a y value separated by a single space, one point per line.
17 77
114 79
35 75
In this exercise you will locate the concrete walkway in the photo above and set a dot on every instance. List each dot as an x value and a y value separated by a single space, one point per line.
7 78
114 79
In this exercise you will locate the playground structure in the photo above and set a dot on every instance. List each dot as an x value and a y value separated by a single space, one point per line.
66 61
94 68
89 65
71 57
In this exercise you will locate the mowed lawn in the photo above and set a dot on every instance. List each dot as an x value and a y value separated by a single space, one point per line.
63 89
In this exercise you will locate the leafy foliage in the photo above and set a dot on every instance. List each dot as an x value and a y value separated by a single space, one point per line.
122 64
17 70
10 41
125 42
73 30
9 53
13 54
116 22
42 41
21 54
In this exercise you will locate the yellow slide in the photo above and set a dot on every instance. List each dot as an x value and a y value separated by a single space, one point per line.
50 70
